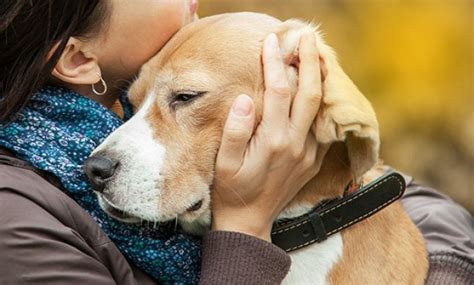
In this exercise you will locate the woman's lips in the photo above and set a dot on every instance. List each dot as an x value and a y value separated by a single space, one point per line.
193 6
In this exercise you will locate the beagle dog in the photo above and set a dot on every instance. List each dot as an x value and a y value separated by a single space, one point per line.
159 165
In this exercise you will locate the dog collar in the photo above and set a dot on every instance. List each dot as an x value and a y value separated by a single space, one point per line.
336 215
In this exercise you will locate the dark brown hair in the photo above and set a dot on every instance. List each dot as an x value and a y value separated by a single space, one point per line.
29 30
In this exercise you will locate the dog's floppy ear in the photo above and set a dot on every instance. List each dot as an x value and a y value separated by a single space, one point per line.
345 114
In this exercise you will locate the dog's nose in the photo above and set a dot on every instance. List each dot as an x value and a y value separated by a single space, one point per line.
98 169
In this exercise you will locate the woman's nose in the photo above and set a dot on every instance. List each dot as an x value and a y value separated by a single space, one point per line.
98 169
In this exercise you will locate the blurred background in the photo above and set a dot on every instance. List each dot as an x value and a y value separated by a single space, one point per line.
414 60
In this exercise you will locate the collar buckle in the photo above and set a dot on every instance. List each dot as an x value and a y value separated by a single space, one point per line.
319 231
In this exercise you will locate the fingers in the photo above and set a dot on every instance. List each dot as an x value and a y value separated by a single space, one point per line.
277 98
308 98
238 130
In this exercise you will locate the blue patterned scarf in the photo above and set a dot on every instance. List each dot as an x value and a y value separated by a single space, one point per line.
56 132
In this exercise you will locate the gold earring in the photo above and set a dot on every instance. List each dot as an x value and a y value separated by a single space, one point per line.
103 84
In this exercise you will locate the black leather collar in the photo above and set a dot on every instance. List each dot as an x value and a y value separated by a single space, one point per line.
338 214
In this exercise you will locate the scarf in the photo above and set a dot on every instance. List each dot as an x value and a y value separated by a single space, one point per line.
56 132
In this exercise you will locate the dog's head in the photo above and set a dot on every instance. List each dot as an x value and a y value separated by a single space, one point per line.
159 165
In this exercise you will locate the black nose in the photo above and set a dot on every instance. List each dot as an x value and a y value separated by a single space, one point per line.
98 169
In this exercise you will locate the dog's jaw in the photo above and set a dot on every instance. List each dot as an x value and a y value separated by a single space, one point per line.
197 226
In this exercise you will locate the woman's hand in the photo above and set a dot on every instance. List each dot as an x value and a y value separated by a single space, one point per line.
257 176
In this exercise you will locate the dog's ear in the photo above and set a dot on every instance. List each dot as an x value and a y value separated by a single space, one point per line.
345 114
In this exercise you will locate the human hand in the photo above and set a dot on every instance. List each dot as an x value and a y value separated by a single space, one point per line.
257 176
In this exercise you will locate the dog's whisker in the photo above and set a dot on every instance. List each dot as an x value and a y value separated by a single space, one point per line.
176 223
160 202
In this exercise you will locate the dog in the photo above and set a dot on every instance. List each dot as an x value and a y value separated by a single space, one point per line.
160 164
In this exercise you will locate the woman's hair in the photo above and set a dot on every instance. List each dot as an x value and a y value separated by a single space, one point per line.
29 31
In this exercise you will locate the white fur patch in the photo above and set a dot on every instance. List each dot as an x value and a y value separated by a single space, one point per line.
313 264
295 211
135 188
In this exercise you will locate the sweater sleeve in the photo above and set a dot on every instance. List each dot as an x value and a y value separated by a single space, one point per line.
36 248
448 232
236 258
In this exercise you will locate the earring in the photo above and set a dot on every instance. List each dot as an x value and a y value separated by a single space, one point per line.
103 84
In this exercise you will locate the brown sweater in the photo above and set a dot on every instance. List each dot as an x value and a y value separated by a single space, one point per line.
46 238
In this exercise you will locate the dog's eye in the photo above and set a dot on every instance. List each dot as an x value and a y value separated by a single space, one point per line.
184 97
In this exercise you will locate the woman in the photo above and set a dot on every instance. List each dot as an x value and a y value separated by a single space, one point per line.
53 54
52 112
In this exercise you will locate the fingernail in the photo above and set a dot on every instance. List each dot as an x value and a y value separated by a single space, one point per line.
242 106
272 41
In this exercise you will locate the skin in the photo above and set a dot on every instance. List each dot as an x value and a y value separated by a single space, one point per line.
139 29
134 33
291 149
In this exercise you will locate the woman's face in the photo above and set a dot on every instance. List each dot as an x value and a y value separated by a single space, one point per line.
137 30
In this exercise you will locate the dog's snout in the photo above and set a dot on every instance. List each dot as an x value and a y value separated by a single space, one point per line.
98 169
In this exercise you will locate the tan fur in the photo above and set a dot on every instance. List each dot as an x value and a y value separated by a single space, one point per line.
221 55
386 248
